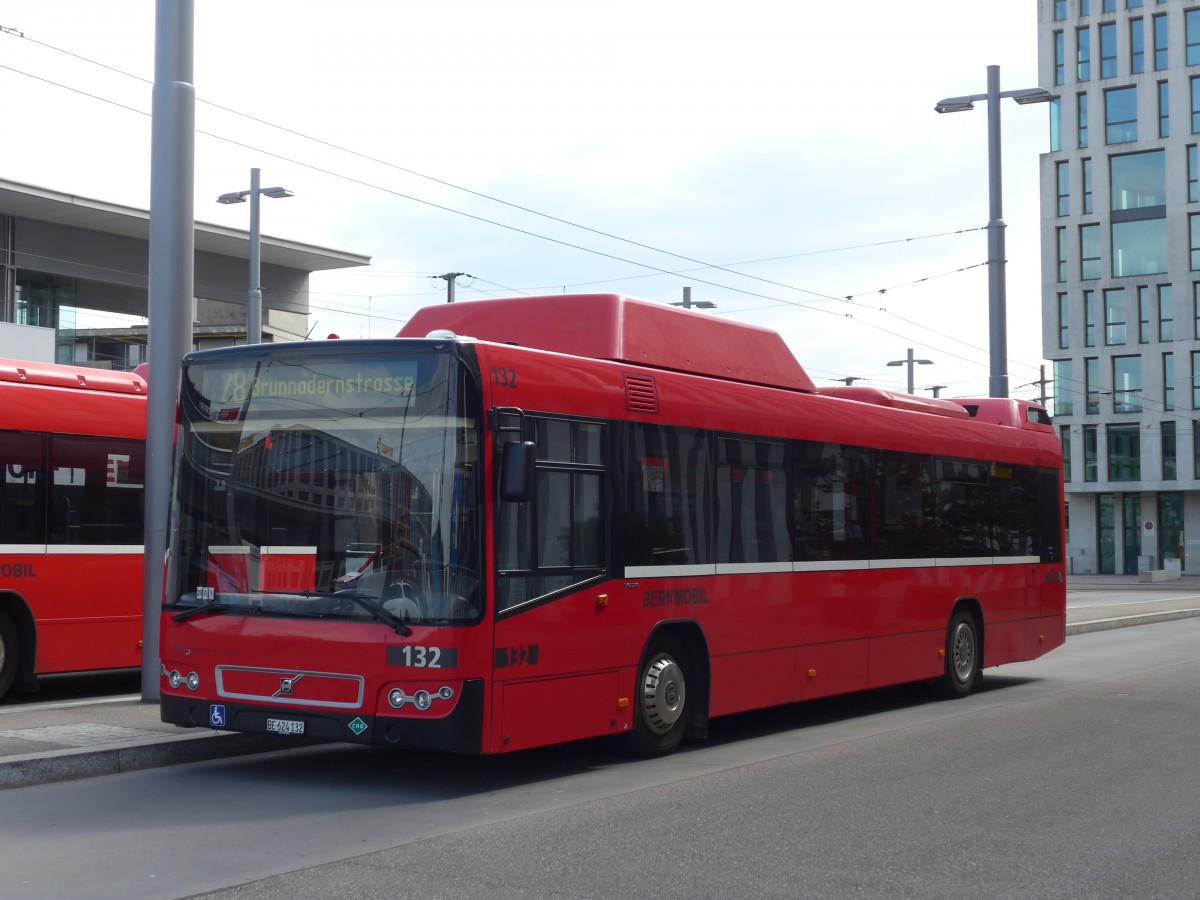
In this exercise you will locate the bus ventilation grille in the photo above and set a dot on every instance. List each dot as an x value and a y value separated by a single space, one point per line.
641 394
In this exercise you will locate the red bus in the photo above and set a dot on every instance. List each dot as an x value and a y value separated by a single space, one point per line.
72 450
543 519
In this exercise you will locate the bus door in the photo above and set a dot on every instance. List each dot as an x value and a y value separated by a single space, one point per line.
1049 588
553 670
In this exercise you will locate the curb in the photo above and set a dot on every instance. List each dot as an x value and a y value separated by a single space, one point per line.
68 765
1128 621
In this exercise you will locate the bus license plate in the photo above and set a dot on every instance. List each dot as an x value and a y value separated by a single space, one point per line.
285 726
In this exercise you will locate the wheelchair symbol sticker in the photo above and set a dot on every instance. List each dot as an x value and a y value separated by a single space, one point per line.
216 715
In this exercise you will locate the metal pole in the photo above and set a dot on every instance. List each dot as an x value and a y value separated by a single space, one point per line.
172 261
911 364
687 298
997 315
254 294
450 288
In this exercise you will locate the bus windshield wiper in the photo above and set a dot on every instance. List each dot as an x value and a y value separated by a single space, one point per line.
387 617
213 608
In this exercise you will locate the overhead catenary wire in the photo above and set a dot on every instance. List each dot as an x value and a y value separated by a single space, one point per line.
775 301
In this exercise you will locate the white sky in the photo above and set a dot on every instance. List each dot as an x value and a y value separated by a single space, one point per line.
796 131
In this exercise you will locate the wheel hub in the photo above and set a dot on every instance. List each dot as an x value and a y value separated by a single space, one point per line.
663 694
964 652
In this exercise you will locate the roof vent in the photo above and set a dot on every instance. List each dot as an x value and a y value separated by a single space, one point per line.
641 394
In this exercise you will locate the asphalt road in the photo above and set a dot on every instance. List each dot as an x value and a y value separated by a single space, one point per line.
1070 776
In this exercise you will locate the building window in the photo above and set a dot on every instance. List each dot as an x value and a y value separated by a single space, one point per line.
1108 50
1087 186
1139 248
1194 235
1160 42
1114 317
1195 82
1062 172
1124 453
1060 236
1168 379
1127 384
1144 300
1196 309
1137 47
1089 252
1064 388
1192 30
1089 318
1138 182
1164 110
1083 121
1063 330
1170 468
1133 4
1091 386
1139 233
1193 174
1064 438
1120 115
1195 380
1083 54
1060 10
1060 58
1196 449
1109 6
1090 454
1166 313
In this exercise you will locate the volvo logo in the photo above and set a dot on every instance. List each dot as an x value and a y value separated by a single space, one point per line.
287 686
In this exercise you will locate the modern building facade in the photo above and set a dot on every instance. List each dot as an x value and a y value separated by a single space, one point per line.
61 253
1120 201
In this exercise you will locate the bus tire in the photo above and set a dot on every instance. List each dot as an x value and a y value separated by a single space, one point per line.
661 710
963 657
10 653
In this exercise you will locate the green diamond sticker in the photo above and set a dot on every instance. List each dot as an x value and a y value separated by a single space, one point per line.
358 726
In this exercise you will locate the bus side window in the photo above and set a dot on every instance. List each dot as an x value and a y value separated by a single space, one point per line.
96 490
22 488
668 497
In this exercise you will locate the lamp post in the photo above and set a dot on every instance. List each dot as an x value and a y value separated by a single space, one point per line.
254 292
998 344
687 303
910 362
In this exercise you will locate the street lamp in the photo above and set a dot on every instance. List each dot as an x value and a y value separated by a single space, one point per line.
254 293
687 303
998 345
910 362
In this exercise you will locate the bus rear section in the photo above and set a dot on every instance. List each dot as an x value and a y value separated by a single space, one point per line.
71 520
594 516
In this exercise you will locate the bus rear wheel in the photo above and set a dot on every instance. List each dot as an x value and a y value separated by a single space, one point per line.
10 653
661 708
963 657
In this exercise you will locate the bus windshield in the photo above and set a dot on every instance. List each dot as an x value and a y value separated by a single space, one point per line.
331 484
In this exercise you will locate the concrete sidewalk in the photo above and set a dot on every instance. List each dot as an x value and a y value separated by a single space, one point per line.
41 743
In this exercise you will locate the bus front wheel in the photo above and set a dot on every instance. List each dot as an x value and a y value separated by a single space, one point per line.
963 657
661 709
10 653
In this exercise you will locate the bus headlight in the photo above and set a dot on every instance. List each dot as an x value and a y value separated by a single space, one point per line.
176 679
422 699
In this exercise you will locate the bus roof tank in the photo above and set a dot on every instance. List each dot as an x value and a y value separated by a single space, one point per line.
623 329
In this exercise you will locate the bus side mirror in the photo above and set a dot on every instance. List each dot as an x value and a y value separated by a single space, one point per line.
517 472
